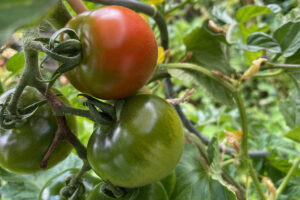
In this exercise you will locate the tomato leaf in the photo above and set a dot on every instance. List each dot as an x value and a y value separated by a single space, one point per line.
213 89
208 48
214 158
294 59
194 183
27 187
262 41
220 15
15 14
16 63
294 134
288 36
290 110
248 12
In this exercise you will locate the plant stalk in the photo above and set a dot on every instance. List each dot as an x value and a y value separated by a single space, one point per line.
288 177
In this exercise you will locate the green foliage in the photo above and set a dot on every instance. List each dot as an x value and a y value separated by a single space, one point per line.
16 63
194 182
15 14
248 12
208 48
27 187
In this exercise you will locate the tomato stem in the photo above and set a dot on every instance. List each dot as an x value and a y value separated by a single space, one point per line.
288 176
60 16
31 76
78 6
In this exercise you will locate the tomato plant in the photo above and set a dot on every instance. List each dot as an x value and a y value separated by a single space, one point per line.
230 70
53 187
119 52
143 146
23 148
153 191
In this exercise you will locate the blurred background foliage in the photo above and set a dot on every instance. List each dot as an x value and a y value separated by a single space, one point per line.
265 98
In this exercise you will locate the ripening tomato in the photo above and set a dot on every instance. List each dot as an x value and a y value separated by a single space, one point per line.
119 52
23 148
142 147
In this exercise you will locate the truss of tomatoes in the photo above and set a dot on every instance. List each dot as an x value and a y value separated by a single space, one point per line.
145 142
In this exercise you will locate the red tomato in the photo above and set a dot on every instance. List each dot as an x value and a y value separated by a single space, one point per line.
119 52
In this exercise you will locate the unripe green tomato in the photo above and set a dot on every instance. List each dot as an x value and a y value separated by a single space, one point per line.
119 52
142 147
23 148
154 191
52 189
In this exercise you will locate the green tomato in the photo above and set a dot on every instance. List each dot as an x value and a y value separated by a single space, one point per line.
142 147
23 148
51 190
169 183
154 191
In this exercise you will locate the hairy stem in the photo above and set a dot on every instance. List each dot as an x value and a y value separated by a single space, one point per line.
31 64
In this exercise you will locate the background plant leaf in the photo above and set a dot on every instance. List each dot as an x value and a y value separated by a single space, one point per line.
27 187
16 63
261 41
250 11
15 14
213 89
194 183
288 36
209 49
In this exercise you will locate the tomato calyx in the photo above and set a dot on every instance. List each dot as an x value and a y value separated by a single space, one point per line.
112 190
67 52
10 121
72 190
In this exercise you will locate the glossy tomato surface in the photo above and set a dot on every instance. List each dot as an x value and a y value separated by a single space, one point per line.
52 189
119 52
143 146
154 191
23 148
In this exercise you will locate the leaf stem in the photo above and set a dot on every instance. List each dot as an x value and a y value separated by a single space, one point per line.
180 5
288 177
282 66
269 74
227 163
201 70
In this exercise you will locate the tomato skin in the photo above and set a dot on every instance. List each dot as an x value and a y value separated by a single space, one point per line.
23 148
154 191
144 146
52 188
119 52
